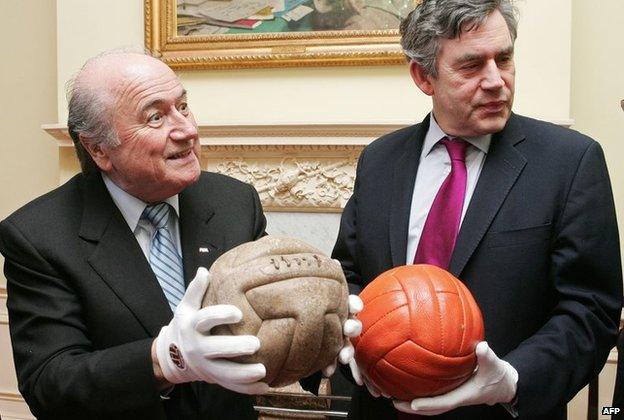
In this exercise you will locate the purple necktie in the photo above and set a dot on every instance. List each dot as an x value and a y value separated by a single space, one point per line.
440 231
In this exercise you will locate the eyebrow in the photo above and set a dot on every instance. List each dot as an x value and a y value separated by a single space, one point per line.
472 57
157 102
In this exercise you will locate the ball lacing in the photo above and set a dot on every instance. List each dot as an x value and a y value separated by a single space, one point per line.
277 263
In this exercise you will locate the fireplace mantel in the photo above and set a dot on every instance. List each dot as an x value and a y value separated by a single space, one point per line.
295 167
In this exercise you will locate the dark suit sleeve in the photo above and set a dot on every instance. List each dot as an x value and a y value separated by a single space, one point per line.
58 369
345 249
259 218
585 274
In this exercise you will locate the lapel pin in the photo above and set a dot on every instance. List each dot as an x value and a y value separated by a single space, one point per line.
204 250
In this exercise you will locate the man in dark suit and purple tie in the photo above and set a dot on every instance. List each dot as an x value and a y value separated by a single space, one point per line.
519 209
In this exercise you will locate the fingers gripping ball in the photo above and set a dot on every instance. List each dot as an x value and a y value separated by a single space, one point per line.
293 298
420 326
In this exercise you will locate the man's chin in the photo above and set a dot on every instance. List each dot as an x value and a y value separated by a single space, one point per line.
493 124
196 177
191 177
181 180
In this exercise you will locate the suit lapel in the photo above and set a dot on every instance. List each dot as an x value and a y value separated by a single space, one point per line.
118 258
403 179
501 169
202 241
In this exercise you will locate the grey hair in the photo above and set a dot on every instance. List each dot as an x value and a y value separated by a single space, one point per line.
90 114
89 117
433 20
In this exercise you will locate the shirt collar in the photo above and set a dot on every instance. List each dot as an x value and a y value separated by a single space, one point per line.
435 134
131 208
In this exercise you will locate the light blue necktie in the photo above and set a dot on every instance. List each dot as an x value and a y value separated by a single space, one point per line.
164 257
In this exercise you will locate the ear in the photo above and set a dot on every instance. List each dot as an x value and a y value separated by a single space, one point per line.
98 154
421 78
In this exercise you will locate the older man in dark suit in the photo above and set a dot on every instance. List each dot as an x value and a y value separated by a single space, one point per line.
97 267
520 210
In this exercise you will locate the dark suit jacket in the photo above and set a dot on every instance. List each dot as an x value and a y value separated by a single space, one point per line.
84 305
538 248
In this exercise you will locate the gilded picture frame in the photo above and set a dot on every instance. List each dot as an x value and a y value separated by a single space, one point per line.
253 49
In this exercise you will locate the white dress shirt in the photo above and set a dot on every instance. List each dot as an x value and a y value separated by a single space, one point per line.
131 209
434 167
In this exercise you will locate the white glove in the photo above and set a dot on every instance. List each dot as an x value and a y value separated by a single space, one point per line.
361 379
187 352
494 381
350 328
353 328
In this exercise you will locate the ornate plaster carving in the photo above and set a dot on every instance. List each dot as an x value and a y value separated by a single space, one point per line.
291 178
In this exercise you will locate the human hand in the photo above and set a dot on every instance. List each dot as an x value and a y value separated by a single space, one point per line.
187 352
351 328
494 381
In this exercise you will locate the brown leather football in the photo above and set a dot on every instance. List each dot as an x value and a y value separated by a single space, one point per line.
293 298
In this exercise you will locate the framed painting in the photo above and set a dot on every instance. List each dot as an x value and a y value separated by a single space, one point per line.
203 34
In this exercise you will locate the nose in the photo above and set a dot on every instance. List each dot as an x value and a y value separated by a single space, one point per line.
184 127
492 78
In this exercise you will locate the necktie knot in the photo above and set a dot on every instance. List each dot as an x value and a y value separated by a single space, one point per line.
157 214
456 148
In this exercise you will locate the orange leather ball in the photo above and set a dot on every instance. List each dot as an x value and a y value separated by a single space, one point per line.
420 326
